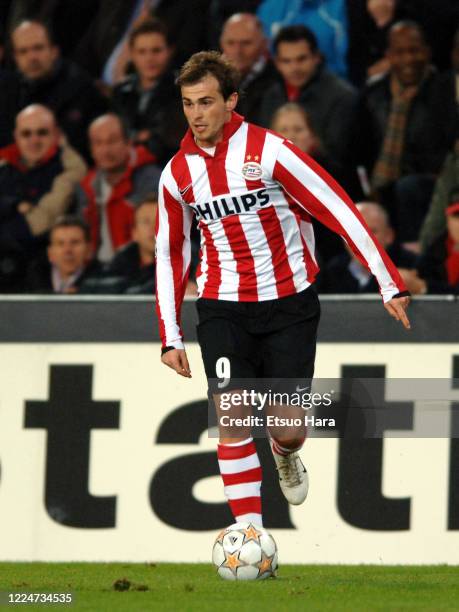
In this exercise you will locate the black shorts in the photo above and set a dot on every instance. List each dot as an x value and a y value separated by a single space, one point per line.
273 339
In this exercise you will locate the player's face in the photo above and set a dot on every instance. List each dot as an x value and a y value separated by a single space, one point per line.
33 52
206 110
68 250
144 228
242 42
34 135
150 55
292 125
408 56
452 222
296 62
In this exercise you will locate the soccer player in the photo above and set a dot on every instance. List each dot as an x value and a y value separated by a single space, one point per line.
253 194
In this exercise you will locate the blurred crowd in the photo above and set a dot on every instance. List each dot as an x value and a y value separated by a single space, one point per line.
90 114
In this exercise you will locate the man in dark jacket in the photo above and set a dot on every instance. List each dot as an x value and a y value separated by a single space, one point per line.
44 77
243 42
327 99
404 127
68 263
148 100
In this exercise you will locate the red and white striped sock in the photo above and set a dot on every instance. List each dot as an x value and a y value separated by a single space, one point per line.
282 450
241 472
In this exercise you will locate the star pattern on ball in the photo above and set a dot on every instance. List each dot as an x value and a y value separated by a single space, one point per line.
266 563
251 533
232 561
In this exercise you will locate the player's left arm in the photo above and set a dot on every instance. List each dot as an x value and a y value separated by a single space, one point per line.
321 196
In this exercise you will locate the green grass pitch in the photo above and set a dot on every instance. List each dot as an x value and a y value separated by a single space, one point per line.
183 587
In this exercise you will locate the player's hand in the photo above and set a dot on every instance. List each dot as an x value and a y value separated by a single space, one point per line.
396 308
178 361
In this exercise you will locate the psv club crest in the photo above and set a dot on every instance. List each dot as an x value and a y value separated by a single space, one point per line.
252 171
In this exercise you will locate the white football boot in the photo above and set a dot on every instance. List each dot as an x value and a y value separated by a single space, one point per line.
293 477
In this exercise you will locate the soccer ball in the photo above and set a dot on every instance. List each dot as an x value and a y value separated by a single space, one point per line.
244 551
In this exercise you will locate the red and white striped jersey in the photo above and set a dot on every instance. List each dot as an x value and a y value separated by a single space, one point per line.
253 199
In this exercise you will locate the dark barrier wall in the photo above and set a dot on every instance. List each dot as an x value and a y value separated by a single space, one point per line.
344 319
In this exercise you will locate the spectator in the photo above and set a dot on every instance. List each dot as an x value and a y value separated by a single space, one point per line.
369 25
221 10
244 44
122 176
68 20
438 270
104 50
38 178
43 77
133 267
346 274
328 100
292 122
134 264
148 100
439 21
447 183
68 262
326 18
403 129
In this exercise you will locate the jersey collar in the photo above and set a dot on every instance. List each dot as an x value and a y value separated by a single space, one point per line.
189 146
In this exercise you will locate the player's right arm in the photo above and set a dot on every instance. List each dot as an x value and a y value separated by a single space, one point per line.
173 256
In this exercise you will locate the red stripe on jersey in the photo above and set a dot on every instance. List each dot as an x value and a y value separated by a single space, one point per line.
319 210
214 274
254 475
312 268
236 452
245 505
182 177
325 216
302 194
275 239
216 171
176 240
245 264
253 151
